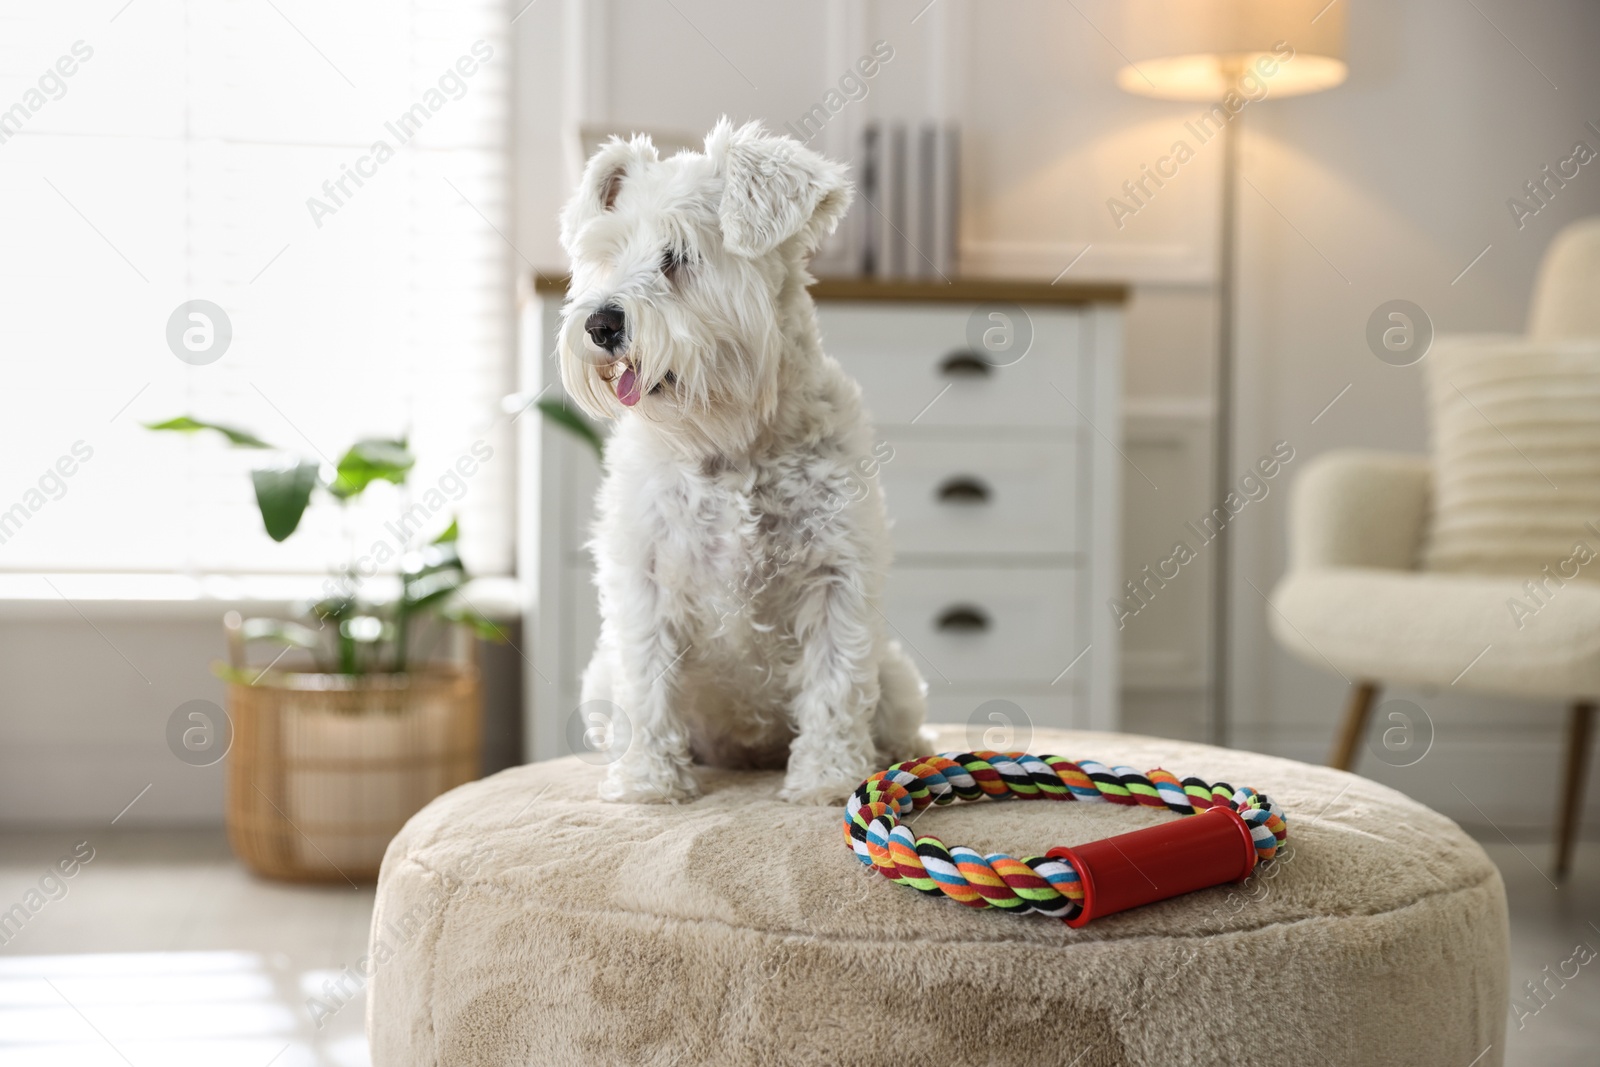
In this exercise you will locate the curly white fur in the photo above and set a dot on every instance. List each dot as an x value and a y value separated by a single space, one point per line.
741 544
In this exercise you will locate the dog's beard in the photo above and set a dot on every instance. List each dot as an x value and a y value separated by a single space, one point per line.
655 362
697 379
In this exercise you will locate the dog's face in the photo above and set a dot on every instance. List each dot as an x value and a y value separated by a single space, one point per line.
677 267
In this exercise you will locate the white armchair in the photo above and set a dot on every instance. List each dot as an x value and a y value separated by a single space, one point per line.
1355 600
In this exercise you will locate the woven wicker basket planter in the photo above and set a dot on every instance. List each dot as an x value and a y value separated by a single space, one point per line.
326 768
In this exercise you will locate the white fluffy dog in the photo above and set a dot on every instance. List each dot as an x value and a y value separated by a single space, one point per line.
741 543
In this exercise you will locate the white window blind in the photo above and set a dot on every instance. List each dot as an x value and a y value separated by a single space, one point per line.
333 175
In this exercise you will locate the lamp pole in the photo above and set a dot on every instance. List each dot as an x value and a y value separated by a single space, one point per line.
1222 474
1170 47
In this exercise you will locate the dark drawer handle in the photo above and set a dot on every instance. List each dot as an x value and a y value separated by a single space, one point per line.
964 363
963 619
964 489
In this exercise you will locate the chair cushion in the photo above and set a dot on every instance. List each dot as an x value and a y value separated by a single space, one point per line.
1516 448
521 920
1406 626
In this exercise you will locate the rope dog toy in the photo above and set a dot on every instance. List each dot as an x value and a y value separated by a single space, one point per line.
1240 828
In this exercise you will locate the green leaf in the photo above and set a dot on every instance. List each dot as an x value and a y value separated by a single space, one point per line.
451 533
425 591
282 493
369 461
293 634
184 424
572 422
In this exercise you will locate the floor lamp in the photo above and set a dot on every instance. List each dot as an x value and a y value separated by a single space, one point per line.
1228 55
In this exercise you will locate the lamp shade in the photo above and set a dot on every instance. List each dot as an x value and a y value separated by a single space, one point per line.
1200 49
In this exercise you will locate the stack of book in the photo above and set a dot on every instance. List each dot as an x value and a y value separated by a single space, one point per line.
906 224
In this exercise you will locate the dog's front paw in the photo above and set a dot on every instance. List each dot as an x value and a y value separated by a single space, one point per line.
918 742
826 774
663 783
823 793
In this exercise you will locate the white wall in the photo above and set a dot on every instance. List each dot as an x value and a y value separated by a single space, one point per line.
1398 179
86 708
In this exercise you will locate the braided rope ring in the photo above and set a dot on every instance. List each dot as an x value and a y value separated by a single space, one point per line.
1039 884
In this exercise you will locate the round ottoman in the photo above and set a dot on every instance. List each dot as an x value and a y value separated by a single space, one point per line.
520 920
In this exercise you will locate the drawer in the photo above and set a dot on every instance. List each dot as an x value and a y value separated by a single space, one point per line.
985 497
1013 627
906 356
1005 719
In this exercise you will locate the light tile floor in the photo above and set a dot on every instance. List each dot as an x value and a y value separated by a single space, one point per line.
163 951
1562 1028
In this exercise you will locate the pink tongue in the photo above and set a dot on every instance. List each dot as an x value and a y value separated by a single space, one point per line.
628 387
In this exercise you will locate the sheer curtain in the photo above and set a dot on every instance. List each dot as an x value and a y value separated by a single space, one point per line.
333 177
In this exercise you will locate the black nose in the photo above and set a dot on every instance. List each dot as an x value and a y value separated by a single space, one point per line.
604 327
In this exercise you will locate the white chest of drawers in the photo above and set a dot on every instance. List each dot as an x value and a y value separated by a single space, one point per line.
1002 482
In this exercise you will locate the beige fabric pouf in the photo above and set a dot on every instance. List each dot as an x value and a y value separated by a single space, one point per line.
521 921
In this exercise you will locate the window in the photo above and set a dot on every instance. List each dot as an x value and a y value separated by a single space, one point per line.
333 177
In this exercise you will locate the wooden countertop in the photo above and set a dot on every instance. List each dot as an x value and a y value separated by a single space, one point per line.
961 290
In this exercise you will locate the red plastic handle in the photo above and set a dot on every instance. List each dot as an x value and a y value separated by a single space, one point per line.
1158 862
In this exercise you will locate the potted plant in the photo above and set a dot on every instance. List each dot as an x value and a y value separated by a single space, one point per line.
348 731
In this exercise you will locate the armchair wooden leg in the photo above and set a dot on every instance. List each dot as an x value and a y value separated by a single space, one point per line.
1355 724
1579 720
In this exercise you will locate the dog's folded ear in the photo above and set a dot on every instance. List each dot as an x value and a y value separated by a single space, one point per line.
774 188
603 179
